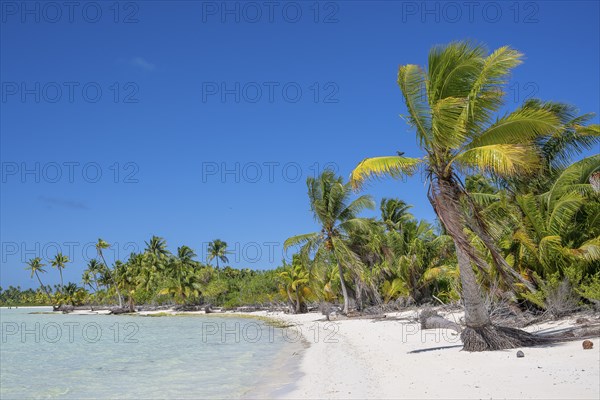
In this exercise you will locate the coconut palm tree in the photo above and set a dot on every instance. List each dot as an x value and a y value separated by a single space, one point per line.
295 280
548 234
451 105
88 280
338 217
102 245
556 149
158 247
59 262
93 269
217 249
36 267
182 281
394 212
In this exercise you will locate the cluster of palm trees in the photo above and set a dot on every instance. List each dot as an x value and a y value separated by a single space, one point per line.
534 212
145 275
64 294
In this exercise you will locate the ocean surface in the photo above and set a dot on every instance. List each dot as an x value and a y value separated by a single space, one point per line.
102 356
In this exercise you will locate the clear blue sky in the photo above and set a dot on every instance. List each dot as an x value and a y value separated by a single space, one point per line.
271 94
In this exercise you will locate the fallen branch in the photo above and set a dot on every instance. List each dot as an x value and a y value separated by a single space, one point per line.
432 320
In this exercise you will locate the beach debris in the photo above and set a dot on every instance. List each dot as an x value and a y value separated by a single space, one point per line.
520 354
588 344
430 319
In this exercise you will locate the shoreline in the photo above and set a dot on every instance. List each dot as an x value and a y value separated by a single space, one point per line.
391 357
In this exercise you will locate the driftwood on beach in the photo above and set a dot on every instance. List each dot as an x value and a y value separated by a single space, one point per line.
430 319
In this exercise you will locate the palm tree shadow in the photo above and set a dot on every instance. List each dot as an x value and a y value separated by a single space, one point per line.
435 348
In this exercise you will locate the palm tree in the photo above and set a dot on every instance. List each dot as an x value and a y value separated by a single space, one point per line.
451 106
394 212
36 267
330 203
157 246
217 249
72 293
94 268
102 245
548 234
182 280
59 262
295 279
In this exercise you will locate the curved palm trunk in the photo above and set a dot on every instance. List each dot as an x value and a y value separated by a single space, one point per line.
480 334
344 290
298 302
113 281
476 314
43 287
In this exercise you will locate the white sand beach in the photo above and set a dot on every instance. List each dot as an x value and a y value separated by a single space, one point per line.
371 358
392 358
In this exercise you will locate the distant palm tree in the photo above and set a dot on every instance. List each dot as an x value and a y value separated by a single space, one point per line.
88 280
36 267
102 245
217 249
157 246
59 262
94 268
295 279
181 270
70 293
451 106
394 212
338 216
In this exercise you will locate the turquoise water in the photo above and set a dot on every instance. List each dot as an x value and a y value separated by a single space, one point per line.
103 356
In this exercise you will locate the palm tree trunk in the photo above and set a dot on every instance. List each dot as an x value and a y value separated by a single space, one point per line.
291 301
62 285
344 290
43 287
476 314
298 303
131 304
113 281
480 334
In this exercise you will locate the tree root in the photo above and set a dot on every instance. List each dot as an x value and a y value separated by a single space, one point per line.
492 337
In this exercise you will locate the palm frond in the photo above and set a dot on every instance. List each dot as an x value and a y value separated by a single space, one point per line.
563 212
299 239
411 79
394 166
447 132
486 92
521 126
498 159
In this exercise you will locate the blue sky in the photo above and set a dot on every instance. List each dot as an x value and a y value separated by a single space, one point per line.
197 120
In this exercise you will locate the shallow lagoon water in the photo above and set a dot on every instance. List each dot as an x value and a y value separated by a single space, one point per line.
102 356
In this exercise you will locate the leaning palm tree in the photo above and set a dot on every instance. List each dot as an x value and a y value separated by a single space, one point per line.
36 267
102 245
338 218
217 249
451 106
59 262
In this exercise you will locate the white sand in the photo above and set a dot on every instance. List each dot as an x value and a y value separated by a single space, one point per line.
371 359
